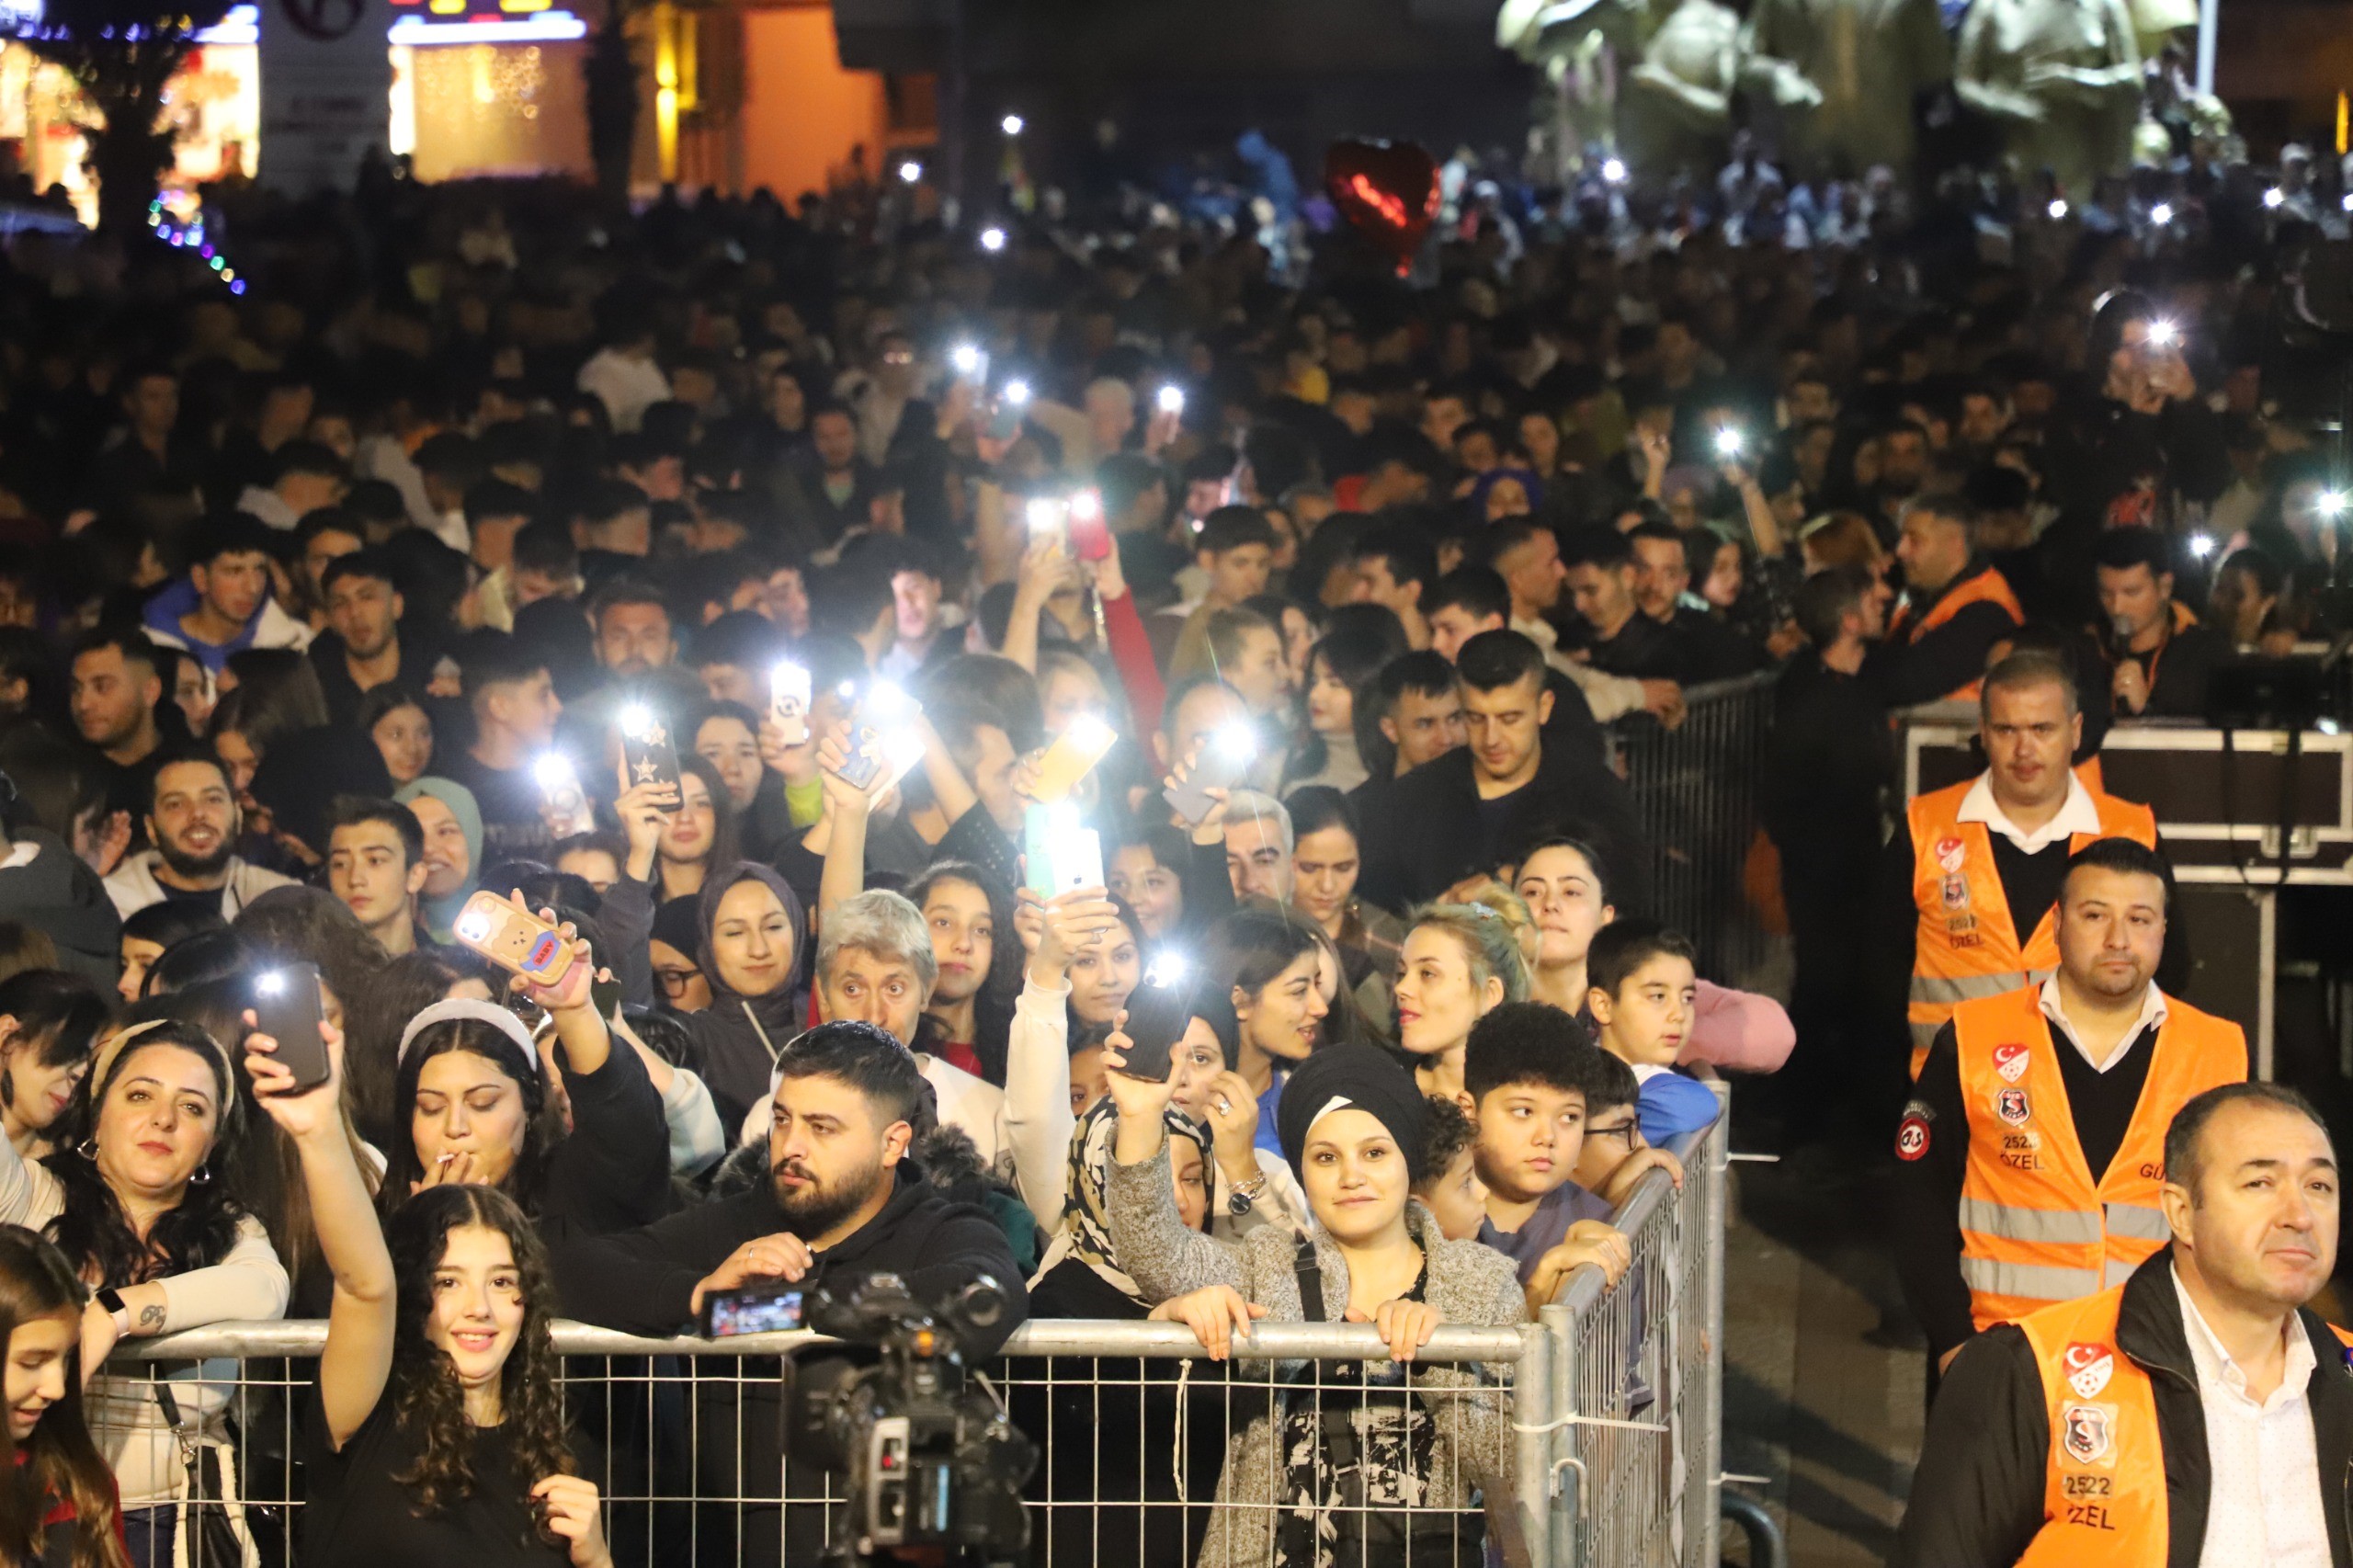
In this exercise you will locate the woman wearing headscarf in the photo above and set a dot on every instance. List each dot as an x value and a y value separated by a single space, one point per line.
452 824
752 948
1353 1125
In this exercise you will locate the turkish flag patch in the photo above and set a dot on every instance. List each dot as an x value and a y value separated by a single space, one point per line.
2089 1368
2011 1062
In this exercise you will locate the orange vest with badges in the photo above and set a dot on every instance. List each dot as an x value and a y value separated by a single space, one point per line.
2037 1225
1966 948
1988 586
2104 1490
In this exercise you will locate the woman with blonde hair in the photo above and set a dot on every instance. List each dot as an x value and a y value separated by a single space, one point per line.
1460 962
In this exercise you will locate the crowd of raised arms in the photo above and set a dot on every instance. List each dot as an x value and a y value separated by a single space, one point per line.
722 609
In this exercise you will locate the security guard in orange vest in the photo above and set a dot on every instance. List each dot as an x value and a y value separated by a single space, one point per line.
1967 891
2194 1417
2029 1159
1955 608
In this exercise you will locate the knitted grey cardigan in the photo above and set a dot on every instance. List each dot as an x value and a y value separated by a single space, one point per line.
1469 1283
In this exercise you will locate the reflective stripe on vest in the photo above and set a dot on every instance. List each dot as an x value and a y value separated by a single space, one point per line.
1988 586
1966 948
2104 1489
2034 1225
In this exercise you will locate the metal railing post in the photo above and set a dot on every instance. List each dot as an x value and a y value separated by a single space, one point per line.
1533 1434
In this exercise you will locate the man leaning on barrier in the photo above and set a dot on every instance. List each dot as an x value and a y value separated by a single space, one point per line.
2197 1415
844 1202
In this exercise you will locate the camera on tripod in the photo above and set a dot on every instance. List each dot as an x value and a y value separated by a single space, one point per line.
929 1460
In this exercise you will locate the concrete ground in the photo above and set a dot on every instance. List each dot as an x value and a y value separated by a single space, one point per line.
1822 1367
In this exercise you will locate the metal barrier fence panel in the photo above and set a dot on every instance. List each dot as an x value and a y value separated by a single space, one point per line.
685 1439
1591 1439
1639 1379
1695 791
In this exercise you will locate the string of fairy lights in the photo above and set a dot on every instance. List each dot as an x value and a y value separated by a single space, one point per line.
190 236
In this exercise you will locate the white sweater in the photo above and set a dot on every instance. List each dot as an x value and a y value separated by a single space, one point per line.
249 1284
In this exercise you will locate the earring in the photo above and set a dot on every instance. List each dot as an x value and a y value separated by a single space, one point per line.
203 1176
88 1148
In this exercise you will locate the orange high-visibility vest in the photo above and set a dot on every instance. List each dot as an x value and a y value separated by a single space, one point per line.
2037 1225
2104 1491
1988 586
1966 947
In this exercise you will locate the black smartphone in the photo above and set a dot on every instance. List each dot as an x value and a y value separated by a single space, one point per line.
606 996
288 1007
646 747
767 1307
1219 765
1156 1018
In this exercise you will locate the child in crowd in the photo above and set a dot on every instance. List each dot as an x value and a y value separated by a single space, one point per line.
1615 1156
1451 1187
1526 1068
1643 992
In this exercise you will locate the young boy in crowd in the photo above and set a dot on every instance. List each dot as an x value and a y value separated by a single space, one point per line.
1451 1188
1643 994
1526 1068
1615 1156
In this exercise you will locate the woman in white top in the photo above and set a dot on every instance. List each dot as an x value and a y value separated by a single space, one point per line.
130 1199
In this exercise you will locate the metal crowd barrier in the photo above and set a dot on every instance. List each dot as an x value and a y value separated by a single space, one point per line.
1695 790
1590 1437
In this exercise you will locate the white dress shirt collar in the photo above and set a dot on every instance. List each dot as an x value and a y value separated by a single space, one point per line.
2079 814
2152 1016
2264 1501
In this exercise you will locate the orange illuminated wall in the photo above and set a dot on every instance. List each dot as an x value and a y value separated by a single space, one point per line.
801 111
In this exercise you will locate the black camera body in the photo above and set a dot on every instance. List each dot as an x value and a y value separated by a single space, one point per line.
930 1463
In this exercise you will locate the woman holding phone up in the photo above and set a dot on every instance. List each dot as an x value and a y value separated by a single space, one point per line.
436 1430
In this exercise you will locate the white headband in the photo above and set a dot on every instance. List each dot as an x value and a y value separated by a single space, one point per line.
1337 1102
457 1010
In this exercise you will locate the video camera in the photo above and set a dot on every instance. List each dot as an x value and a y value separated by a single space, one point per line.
933 1466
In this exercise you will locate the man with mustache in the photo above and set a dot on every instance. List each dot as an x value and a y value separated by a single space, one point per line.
842 1200
193 821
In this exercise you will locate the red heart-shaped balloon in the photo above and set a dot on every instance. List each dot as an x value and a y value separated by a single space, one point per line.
1388 189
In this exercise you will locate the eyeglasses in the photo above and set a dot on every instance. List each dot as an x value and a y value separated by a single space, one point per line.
674 982
1625 1130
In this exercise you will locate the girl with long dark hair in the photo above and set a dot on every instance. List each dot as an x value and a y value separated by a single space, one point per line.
59 1506
435 1432
49 1025
969 916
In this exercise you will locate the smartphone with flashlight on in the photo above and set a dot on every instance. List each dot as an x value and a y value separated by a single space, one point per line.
1158 1011
288 1008
1048 518
1059 854
1090 535
1225 756
971 363
887 737
1083 743
1171 400
1012 408
513 940
1730 443
567 809
647 748
788 701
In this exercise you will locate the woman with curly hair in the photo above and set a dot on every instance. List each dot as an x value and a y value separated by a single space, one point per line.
62 1508
436 1430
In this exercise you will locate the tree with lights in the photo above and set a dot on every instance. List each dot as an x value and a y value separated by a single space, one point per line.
122 54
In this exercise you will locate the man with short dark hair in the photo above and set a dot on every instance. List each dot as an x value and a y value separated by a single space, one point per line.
842 1200
1603 578
2159 658
1526 555
193 822
1459 815
924 615
1412 715
1234 553
633 631
1394 564
515 711
855 601
1662 588
833 485
2196 1413
223 604
116 696
1955 608
2026 1168
376 865
303 477
361 648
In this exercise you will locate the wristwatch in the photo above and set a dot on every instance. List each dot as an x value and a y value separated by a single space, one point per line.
1239 1201
111 1300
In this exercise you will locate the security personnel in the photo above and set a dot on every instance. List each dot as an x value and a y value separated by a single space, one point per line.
2194 1417
1955 608
1966 895
2029 1159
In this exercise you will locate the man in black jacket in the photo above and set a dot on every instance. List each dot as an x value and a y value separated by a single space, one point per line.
1467 809
2249 1455
843 1203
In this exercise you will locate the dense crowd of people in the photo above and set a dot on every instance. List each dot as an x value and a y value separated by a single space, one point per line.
863 664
